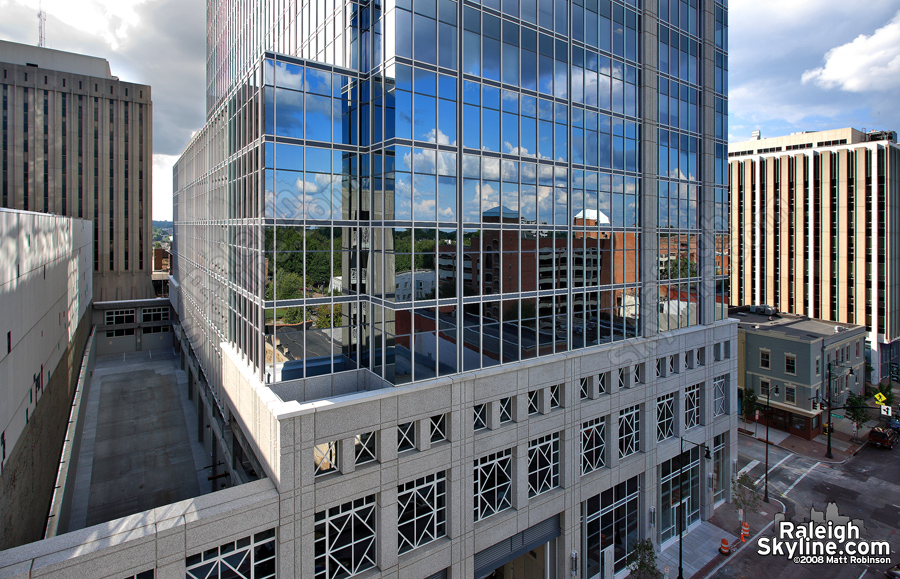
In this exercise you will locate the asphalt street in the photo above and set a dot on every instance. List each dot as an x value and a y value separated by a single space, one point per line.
865 487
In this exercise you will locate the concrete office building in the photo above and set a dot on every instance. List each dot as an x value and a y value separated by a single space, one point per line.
815 231
528 406
787 360
77 141
45 297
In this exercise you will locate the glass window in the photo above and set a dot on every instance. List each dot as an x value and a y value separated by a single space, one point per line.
406 436
790 364
719 400
421 511
345 539
665 417
543 464
629 431
493 476
480 417
692 406
326 458
438 428
593 445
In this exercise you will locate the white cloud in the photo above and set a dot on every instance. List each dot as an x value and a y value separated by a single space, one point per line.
110 20
162 186
867 63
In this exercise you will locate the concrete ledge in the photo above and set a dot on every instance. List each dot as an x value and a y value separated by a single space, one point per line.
137 542
65 479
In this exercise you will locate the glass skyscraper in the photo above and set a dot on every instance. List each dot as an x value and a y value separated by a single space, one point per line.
420 193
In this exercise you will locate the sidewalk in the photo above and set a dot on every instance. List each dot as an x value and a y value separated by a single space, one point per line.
701 544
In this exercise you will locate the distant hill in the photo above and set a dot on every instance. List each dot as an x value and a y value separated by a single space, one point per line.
162 224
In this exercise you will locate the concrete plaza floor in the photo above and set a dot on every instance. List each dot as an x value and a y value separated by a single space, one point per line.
139 447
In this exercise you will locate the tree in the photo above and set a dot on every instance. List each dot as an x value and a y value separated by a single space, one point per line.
295 315
857 409
748 404
643 564
324 318
744 493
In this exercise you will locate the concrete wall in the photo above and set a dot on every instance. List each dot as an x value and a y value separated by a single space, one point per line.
138 337
159 539
45 296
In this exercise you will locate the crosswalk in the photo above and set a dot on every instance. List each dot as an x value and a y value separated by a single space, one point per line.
784 473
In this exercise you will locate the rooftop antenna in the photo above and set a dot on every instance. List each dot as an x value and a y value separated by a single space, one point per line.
42 25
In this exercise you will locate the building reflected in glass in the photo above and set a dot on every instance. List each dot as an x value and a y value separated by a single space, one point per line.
417 189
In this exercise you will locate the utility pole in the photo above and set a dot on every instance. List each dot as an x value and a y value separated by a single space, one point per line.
42 26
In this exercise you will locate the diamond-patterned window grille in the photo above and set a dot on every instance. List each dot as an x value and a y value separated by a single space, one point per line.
421 511
438 428
492 484
326 457
601 383
692 406
555 395
585 388
659 367
719 396
673 364
365 448
480 416
345 539
543 464
665 416
636 374
629 431
534 402
593 444
622 381
406 436
505 410
247 558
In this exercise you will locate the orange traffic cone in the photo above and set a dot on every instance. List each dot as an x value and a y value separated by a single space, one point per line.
745 531
723 548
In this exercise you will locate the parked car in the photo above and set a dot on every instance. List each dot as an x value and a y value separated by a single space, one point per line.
883 437
893 424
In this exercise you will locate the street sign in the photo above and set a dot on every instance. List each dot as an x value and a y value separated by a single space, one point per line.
880 398
885 410
838 416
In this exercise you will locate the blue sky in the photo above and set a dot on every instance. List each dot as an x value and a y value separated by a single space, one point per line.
794 65
808 65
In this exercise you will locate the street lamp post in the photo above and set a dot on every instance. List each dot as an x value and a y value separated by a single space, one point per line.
681 510
768 416
828 417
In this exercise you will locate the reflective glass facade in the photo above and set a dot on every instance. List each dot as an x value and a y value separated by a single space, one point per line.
431 187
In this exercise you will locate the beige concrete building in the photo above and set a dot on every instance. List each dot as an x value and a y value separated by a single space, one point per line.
77 141
45 300
815 231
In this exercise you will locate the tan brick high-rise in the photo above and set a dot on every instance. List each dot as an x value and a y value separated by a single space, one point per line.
814 221
77 141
